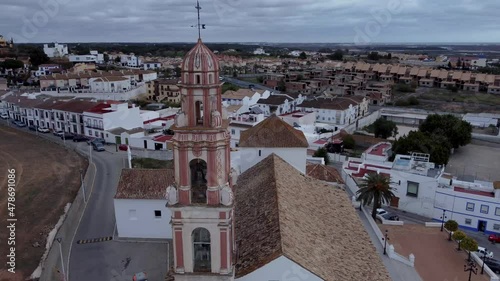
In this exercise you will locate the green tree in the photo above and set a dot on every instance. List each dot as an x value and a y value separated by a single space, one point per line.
375 189
348 142
12 64
117 59
303 56
38 57
459 237
322 152
437 147
469 245
451 226
385 128
281 86
449 65
457 131
373 56
178 71
337 55
389 56
106 58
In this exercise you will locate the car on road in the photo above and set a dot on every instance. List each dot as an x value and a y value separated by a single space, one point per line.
123 147
96 140
32 127
4 116
384 215
483 250
79 138
98 146
43 130
67 136
58 133
250 86
20 124
494 238
141 276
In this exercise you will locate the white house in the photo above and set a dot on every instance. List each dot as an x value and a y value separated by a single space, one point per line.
110 84
240 123
93 57
130 60
151 65
340 111
273 135
56 50
47 69
140 204
111 115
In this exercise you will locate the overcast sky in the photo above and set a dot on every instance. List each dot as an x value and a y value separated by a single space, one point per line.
333 21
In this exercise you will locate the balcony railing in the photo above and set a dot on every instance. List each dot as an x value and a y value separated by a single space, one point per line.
93 127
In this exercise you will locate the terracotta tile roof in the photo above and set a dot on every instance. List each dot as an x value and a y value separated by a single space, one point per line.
341 103
414 71
281 212
324 173
239 94
274 100
272 132
144 183
457 75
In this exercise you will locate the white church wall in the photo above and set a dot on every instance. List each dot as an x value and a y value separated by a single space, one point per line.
281 268
294 156
135 218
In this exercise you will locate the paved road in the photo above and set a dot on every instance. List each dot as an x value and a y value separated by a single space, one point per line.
245 84
111 260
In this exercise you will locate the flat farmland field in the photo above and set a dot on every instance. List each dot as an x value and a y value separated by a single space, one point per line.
47 178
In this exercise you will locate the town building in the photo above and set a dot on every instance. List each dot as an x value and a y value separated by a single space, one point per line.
3 84
55 50
164 90
241 122
130 60
47 69
151 65
423 188
93 57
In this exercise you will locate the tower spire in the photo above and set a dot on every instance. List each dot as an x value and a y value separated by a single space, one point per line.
199 24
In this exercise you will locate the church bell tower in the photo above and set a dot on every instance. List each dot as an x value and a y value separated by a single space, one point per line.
201 200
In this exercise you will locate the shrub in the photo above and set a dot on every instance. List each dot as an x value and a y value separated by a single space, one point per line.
349 142
322 152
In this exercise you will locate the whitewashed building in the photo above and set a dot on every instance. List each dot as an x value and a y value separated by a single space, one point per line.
273 135
130 60
93 57
151 65
140 204
340 111
55 50
110 84
240 123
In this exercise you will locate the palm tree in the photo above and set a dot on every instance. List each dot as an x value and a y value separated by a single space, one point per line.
375 188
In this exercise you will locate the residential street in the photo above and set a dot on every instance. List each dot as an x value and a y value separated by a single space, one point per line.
109 260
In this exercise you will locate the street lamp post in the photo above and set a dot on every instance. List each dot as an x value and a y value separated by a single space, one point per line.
484 260
62 260
385 238
471 268
443 217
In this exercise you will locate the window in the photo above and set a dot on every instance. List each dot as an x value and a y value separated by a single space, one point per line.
106 135
469 207
96 133
157 214
412 189
468 221
260 152
132 214
497 211
496 226
90 132
485 209
198 79
232 132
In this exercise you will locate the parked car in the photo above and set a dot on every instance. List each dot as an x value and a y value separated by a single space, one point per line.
43 130
20 124
67 136
98 146
482 251
96 140
58 133
4 116
494 238
123 147
494 265
141 276
79 138
32 127
384 215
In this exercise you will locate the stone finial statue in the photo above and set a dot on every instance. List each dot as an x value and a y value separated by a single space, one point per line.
172 195
180 119
216 119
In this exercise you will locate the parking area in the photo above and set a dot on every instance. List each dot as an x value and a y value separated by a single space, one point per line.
436 259
481 162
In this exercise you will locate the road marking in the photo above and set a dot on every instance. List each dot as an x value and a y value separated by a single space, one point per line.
95 240
80 220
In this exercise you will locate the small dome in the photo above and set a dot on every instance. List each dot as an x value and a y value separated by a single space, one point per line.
200 59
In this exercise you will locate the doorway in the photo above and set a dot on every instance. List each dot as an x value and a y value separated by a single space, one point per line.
395 202
145 144
481 226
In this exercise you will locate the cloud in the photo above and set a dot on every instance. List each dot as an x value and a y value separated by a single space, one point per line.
249 21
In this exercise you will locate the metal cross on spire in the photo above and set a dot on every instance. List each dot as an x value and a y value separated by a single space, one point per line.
199 24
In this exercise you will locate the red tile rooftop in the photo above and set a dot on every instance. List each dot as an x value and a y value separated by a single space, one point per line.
379 149
320 141
162 138
475 192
